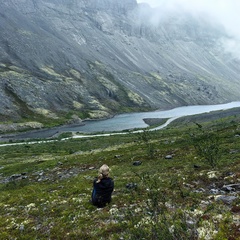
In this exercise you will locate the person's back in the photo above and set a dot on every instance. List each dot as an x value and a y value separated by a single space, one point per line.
102 188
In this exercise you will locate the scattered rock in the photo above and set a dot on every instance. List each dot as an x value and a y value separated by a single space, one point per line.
14 177
54 174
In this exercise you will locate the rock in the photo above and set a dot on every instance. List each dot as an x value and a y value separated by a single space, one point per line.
233 151
236 209
216 191
21 227
137 163
15 176
233 187
228 189
226 199
196 166
200 190
131 186
169 157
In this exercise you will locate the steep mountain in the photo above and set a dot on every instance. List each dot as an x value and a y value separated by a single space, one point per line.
95 58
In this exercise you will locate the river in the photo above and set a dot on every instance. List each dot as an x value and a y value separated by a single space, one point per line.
123 121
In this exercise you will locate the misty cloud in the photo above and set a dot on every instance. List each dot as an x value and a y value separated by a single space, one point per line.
224 12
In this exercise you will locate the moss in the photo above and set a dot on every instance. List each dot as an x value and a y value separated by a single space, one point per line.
98 114
50 70
77 105
75 73
45 112
156 76
135 98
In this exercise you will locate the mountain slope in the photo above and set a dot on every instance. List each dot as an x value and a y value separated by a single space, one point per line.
97 58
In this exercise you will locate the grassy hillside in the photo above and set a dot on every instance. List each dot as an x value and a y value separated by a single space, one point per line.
186 186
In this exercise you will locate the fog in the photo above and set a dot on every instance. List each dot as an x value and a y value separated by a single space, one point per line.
224 12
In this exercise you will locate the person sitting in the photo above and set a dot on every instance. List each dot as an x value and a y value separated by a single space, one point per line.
102 188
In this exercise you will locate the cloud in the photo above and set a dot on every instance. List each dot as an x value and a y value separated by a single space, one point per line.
225 12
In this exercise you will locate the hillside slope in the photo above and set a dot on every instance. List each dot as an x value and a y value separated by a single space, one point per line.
97 58
165 188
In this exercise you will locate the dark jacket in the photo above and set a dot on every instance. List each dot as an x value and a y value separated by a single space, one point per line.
102 192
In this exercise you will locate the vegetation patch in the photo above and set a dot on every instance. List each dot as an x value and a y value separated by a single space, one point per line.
165 187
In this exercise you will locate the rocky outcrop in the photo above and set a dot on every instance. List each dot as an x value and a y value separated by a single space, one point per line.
98 57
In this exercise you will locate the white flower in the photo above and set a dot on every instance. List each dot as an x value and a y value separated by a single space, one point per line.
207 231
212 174
30 206
137 210
77 200
113 211
144 221
236 219
171 229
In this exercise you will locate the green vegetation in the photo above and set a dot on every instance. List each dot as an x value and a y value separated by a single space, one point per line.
45 188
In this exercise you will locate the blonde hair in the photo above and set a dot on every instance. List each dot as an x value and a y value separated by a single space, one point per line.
103 172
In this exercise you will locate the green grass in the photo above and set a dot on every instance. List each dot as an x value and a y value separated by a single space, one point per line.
53 201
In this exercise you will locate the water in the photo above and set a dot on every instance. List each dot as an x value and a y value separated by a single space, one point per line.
126 121
135 120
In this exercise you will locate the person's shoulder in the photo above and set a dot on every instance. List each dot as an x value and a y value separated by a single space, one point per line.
107 180
111 180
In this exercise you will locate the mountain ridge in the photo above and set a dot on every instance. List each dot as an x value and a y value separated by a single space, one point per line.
98 58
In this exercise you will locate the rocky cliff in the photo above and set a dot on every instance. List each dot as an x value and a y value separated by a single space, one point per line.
94 58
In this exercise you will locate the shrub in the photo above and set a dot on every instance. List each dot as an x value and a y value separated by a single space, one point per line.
145 138
155 219
207 145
